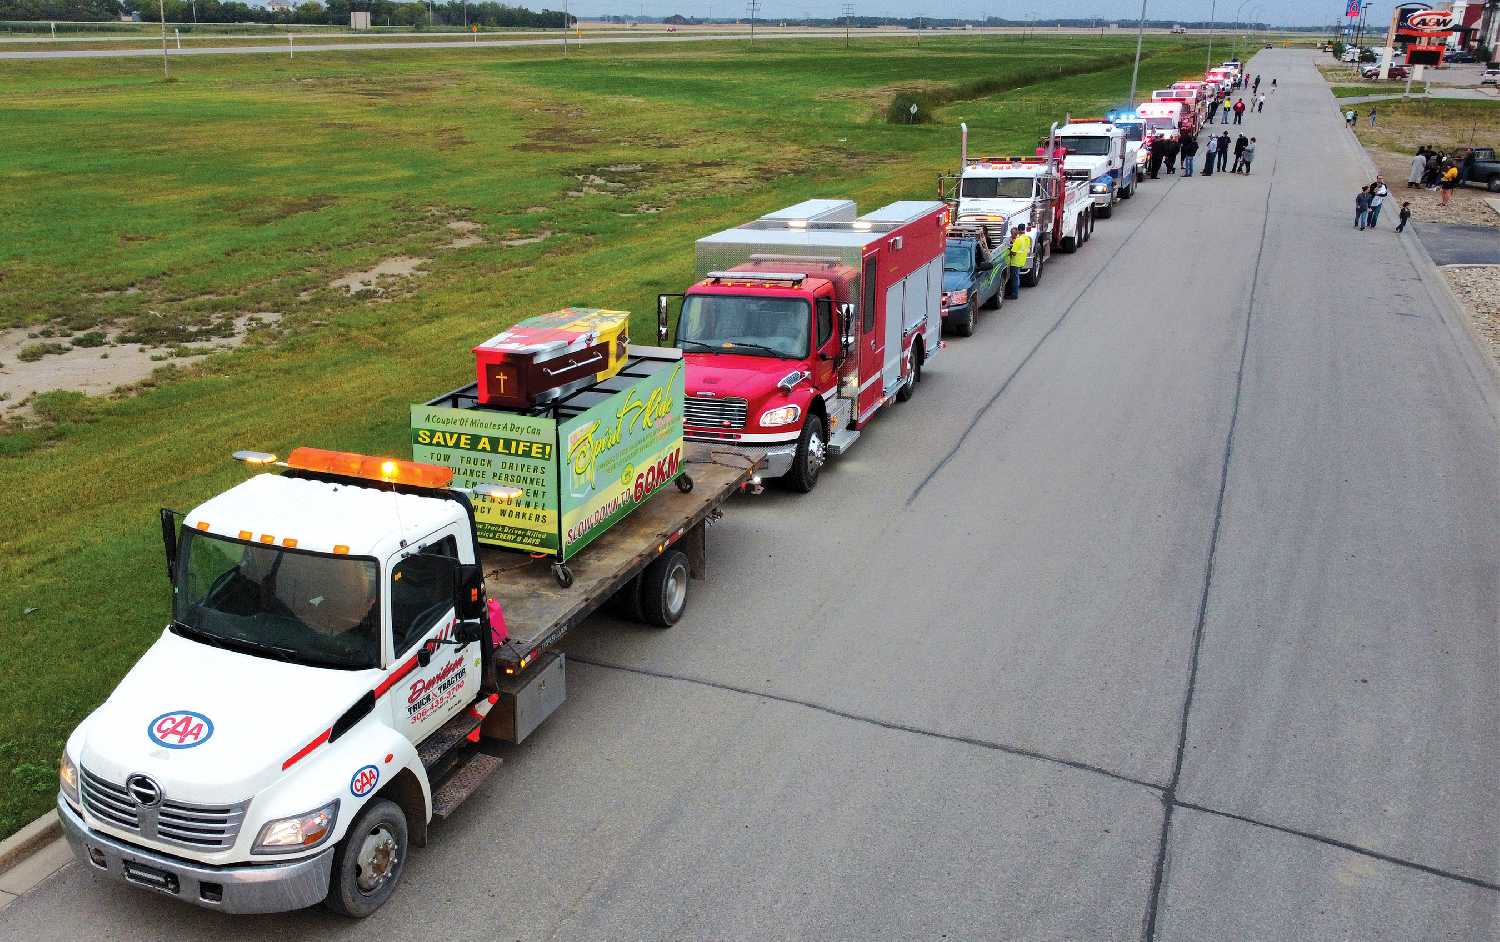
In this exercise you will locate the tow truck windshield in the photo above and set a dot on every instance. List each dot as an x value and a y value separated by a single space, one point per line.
1088 146
753 326
989 188
291 605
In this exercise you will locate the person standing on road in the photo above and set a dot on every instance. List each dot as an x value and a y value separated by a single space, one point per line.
1240 144
1448 182
1255 89
1418 169
1434 169
1223 151
1248 156
1213 109
1405 217
1174 147
1224 111
1212 150
1260 104
1372 116
1239 111
1154 156
1018 257
1378 193
1361 207
1273 86
1189 151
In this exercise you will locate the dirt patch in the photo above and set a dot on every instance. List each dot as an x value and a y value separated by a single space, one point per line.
466 234
541 236
263 210
375 279
100 361
1478 287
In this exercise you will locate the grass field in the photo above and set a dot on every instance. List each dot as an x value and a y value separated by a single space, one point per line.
249 184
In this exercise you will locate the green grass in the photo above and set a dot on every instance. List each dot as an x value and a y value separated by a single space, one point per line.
249 182
1378 88
1444 123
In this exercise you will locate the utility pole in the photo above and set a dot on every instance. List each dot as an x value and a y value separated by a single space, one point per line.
754 7
161 6
567 25
1212 22
848 15
1140 31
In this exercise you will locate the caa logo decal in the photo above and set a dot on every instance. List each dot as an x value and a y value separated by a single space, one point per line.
180 729
364 781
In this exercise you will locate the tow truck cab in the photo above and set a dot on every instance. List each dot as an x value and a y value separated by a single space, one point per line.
325 625
1099 153
805 323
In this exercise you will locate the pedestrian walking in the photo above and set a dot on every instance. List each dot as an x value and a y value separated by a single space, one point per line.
1155 154
1372 116
1349 117
1239 111
1223 151
1248 156
1449 183
1418 169
1361 207
1174 147
1240 144
1273 86
1189 151
1018 256
1260 104
1378 194
1212 151
1405 217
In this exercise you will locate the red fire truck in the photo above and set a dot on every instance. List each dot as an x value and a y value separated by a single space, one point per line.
804 324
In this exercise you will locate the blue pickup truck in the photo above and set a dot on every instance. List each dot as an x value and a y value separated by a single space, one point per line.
973 277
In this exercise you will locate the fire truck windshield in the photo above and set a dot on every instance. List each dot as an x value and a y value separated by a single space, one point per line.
990 188
750 325
1089 146
291 605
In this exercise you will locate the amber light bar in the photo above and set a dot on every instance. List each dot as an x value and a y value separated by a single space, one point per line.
369 467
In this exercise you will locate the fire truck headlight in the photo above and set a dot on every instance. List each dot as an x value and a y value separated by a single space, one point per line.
299 832
784 415
67 775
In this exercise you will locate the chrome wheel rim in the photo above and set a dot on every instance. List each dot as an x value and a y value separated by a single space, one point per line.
378 860
816 452
677 588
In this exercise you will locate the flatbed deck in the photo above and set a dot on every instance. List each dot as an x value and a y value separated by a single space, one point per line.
539 611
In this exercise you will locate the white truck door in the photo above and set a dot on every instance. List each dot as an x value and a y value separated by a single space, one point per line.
933 304
895 318
424 696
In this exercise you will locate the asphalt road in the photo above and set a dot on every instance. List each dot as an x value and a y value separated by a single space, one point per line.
1167 609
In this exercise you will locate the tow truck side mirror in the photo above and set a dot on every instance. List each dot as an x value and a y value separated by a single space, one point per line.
468 593
169 541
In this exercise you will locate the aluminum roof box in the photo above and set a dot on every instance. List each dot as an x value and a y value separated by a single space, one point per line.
809 211
900 212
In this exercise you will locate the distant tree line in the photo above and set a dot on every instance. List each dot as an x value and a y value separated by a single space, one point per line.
332 12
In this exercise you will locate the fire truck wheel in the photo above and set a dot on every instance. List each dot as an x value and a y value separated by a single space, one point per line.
369 861
964 326
808 462
905 393
664 588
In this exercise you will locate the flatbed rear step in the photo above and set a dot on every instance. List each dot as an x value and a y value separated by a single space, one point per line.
464 782
448 737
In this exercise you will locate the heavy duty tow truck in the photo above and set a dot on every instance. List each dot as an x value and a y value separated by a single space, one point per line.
338 675
1100 153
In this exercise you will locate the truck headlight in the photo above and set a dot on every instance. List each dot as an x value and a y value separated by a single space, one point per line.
299 832
1099 188
784 415
67 774
959 297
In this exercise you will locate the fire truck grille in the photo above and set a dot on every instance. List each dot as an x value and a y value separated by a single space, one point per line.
210 827
714 413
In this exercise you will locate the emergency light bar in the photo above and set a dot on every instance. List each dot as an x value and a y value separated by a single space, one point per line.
353 465
789 277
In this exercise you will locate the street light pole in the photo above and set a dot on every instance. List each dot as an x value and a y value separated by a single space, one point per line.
161 6
1140 31
1212 8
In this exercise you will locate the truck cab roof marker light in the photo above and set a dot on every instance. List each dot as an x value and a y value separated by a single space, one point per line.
500 493
254 457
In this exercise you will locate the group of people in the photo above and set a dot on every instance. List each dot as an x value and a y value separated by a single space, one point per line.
1221 106
1370 200
1165 151
1351 117
1433 170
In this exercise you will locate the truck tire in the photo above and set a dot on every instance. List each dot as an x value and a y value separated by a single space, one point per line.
812 451
1493 184
626 603
664 589
905 393
1033 277
964 326
369 861
1104 212
1069 244
1088 224
1127 192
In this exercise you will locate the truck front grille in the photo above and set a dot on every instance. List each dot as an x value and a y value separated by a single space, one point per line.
714 413
206 827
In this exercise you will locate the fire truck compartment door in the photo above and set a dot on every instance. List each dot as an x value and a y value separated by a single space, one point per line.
895 317
932 304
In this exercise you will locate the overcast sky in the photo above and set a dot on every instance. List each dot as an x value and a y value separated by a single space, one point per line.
1289 12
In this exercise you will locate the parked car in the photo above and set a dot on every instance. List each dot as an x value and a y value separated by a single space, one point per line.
1460 57
971 280
1373 72
1351 54
1490 77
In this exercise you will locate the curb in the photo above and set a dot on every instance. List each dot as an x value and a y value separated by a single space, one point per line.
15 850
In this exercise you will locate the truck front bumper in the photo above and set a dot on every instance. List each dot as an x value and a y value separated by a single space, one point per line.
776 460
252 888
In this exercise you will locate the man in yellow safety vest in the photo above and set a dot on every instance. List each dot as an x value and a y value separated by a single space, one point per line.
1018 257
